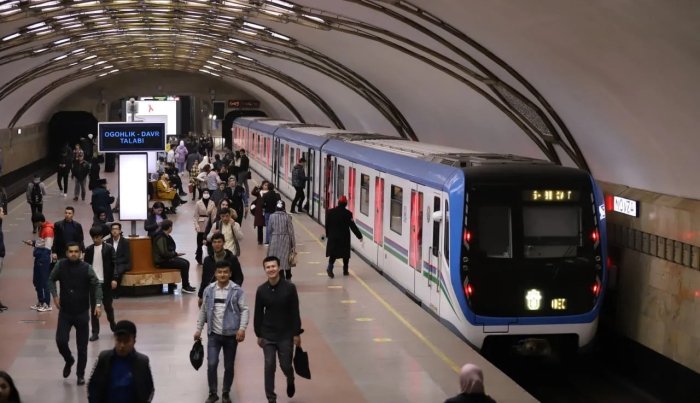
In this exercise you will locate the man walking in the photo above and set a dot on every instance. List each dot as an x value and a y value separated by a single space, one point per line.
339 222
244 170
122 254
122 375
42 262
65 160
80 171
219 254
226 314
67 230
100 256
77 280
299 179
277 325
35 197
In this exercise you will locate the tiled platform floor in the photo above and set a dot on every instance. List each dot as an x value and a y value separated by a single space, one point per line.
366 340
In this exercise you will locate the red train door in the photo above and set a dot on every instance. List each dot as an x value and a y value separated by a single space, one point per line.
379 211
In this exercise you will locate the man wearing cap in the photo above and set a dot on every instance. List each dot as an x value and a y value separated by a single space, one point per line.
339 222
299 179
122 374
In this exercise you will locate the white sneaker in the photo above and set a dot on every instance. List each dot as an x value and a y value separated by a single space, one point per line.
45 308
35 306
65 195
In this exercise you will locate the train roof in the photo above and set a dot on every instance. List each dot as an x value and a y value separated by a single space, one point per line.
427 173
246 121
301 137
269 126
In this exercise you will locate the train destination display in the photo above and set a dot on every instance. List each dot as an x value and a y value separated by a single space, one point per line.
131 137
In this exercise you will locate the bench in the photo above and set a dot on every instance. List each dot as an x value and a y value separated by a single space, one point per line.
143 272
153 198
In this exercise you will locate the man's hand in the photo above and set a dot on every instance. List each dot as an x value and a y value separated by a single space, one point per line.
198 335
54 257
57 302
240 335
114 284
98 311
260 342
199 302
297 341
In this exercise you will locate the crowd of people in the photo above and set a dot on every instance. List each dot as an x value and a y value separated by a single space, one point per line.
89 277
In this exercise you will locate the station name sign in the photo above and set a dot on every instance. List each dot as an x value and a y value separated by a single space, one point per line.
126 137
244 103
626 206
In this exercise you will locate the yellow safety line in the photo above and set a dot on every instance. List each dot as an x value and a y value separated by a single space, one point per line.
393 311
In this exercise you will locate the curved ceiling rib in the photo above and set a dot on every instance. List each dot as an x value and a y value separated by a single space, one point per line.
168 22
76 76
518 103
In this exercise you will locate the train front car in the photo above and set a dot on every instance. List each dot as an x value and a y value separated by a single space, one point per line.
533 257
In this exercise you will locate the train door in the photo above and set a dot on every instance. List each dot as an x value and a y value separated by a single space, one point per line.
415 249
276 151
365 212
328 186
311 194
396 230
432 233
439 249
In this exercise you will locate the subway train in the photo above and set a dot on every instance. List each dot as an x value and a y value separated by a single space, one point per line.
500 248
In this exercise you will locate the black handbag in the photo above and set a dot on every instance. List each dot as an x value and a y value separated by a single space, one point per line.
197 355
301 363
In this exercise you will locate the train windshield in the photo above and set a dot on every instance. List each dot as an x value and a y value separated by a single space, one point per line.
523 238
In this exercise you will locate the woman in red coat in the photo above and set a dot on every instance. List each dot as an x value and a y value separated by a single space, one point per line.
256 207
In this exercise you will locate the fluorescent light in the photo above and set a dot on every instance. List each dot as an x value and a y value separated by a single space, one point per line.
247 32
8 5
86 67
37 25
281 3
87 3
114 71
47 4
225 50
88 58
81 50
41 50
245 58
242 42
60 57
100 62
60 41
279 36
210 62
10 37
251 25
314 18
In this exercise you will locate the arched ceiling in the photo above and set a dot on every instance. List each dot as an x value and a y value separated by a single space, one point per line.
606 86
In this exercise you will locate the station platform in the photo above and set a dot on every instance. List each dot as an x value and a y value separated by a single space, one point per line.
367 341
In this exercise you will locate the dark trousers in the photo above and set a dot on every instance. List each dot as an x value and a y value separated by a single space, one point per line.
273 349
215 344
107 307
80 323
79 188
198 252
36 208
260 234
179 263
40 278
267 226
243 180
298 198
63 179
331 262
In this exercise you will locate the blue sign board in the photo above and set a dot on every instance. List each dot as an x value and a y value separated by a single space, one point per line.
124 137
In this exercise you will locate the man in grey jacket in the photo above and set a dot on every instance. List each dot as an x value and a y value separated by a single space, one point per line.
226 313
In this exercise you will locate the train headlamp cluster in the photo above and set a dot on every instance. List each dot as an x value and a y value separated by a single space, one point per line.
533 301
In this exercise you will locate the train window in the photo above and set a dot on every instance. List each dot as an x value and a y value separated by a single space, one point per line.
395 223
494 231
364 194
446 238
436 229
551 231
291 161
340 188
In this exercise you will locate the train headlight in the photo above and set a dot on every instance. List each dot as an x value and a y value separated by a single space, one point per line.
533 299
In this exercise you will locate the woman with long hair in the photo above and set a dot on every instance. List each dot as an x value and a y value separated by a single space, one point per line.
8 390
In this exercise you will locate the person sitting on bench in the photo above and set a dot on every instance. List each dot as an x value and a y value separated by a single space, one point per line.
165 256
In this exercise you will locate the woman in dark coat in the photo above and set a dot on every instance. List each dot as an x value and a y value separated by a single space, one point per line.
339 222
256 207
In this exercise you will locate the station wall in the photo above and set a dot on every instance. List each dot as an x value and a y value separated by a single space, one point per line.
19 150
657 296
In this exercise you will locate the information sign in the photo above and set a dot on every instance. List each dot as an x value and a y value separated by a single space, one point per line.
126 137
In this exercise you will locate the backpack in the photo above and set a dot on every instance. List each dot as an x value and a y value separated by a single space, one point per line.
36 196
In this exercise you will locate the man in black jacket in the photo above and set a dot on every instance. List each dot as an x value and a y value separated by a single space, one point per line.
80 171
269 201
122 254
77 281
100 256
122 375
66 231
244 170
277 325
102 200
166 256
339 222
209 267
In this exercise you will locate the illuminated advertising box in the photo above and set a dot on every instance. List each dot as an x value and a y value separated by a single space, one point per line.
121 137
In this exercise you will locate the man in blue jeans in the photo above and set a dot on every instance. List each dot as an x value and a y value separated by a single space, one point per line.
42 262
226 314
